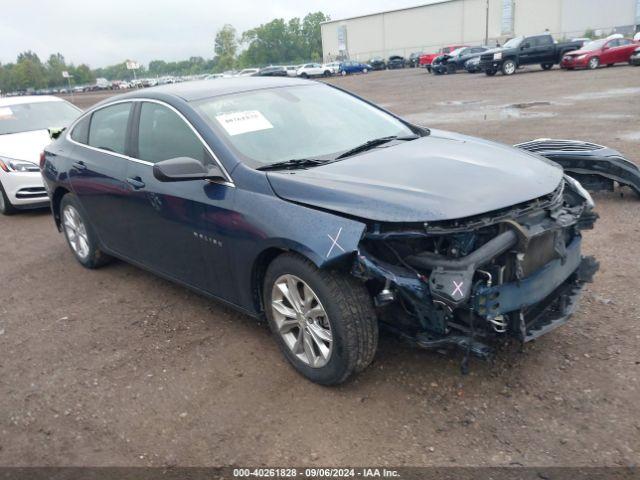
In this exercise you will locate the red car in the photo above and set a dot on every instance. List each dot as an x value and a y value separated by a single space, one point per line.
427 58
600 52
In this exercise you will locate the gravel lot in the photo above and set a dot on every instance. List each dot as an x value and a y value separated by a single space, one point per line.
119 367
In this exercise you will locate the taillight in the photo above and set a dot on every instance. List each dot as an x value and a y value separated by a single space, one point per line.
42 160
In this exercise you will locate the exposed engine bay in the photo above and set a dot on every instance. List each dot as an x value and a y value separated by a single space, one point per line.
514 273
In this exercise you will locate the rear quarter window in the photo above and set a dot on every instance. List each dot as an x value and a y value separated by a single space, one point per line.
80 132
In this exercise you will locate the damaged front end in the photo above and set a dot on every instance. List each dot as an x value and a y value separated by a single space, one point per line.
514 273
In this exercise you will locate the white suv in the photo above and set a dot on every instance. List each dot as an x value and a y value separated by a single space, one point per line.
313 70
24 124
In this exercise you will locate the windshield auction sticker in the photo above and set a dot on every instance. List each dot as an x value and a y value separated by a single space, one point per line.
237 123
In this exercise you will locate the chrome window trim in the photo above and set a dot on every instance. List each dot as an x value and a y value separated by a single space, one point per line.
228 180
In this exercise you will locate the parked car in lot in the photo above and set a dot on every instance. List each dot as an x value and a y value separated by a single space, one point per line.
313 70
24 124
456 60
427 58
377 63
333 67
600 52
272 71
247 72
520 51
349 67
635 57
300 203
395 61
473 65
414 59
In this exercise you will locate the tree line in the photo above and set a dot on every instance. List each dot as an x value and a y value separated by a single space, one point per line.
278 41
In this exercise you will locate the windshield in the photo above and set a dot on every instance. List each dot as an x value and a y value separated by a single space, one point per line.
311 121
595 45
513 43
25 117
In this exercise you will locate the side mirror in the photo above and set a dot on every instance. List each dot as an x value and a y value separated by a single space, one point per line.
182 169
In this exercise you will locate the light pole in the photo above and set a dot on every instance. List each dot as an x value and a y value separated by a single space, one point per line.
486 25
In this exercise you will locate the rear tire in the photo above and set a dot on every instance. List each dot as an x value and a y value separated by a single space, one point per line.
509 67
80 236
343 311
6 207
490 73
546 66
593 63
343 73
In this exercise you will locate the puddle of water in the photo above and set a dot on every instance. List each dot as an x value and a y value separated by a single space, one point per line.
616 92
631 136
455 103
529 104
488 115
613 116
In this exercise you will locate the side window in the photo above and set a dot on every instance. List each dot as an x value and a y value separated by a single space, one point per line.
613 43
162 135
545 40
80 132
624 42
108 129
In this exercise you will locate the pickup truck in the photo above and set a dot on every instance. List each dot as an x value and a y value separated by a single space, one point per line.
519 51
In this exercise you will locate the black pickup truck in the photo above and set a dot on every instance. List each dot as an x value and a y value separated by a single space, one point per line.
537 49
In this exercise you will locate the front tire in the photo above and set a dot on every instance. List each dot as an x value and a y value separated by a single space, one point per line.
343 73
322 320
490 72
365 70
6 207
546 66
593 63
509 67
81 238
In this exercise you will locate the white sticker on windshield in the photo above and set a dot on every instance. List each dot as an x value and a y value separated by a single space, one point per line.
5 112
243 122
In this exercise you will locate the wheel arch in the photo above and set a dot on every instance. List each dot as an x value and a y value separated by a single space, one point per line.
56 199
260 266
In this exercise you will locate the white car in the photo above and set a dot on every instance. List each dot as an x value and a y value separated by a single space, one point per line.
292 70
334 67
24 124
247 72
313 70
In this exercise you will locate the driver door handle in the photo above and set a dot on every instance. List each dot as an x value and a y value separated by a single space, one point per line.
136 182
79 165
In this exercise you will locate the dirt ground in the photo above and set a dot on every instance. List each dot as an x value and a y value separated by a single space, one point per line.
119 367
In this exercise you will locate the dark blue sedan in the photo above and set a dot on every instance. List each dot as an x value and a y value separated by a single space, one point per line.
349 67
303 204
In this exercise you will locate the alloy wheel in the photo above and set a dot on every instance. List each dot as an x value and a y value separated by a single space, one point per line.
510 68
301 321
76 231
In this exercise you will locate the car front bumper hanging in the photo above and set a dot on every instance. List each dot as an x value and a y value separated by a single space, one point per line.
596 167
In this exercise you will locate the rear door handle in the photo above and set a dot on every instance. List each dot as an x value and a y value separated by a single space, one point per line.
136 182
80 165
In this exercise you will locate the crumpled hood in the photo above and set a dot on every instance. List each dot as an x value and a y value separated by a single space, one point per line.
443 176
24 145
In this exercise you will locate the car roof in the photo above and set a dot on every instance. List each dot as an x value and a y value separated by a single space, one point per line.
201 89
5 102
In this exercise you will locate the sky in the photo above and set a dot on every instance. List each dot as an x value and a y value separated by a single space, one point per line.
102 33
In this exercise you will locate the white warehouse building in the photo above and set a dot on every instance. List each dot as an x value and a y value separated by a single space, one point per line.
425 28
